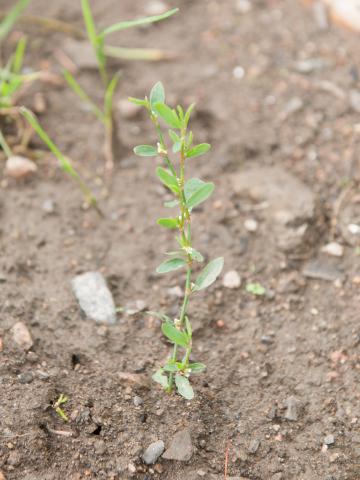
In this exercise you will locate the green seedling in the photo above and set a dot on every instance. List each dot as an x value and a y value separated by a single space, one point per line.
97 40
256 289
64 162
10 18
57 407
188 194
4 145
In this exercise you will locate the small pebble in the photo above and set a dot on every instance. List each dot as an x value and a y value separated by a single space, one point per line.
153 452
334 249
19 167
21 336
254 445
48 206
243 6
232 279
329 440
138 401
156 7
251 225
128 110
239 72
175 291
293 407
267 340
354 229
26 377
181 448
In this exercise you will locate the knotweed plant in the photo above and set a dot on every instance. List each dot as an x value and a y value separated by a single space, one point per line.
188 194
97 41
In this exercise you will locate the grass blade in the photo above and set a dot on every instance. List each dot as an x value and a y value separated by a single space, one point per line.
10 19
64 162
80 92
109 94
89 23
19 55
148 54
135 23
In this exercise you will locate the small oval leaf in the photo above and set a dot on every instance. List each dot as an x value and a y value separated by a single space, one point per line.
175 335
209 274
168 115
145 151
197 367
168 179
168 222
200 195
159 377
183 386
170 265
198 150
157 94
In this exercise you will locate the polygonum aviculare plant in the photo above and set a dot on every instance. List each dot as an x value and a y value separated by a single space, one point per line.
188 194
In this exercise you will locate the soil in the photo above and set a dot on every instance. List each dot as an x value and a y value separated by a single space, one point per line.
301 339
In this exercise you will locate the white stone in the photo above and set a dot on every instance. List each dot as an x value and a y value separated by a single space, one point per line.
22 336
94 297
334 249
232 279
251 225
19 167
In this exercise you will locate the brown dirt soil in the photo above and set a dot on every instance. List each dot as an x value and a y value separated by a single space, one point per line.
300 340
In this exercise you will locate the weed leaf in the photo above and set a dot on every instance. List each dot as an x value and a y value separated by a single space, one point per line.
159 377
174 335
168 179
209 274
170 265
200 195
145 151
168 222
183 386
168 115
157 95
198 150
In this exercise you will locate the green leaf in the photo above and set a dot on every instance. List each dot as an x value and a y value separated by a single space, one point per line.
172 367
141 21
145 151
198 150
159 377
191 186
188 326
19 55
209 274
138 101
255 288
170 265
197 367
176 141
7 24
183 386
90 24
168 179
80 92
188 114
109 95
171 204
157 94
168 115
168 222
194 254
161 316
175 335
200 195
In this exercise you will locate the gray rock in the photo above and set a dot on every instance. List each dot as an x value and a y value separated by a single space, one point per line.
329 440
354 98
321 270
153 452
21 336
181 448
138 401
290 203
48 206
293 406
26 377
254 445
94 297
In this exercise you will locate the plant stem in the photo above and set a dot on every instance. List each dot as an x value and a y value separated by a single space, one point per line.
4 145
